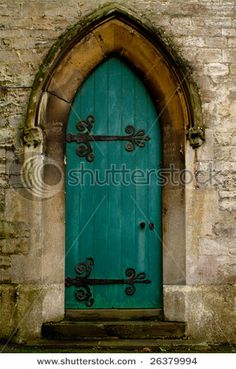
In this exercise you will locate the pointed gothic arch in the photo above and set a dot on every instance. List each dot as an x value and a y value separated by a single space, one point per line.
168 80
121 32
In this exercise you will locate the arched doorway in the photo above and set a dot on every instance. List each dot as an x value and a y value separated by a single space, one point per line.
68 65
113 197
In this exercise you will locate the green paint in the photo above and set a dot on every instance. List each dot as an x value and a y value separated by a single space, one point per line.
102 221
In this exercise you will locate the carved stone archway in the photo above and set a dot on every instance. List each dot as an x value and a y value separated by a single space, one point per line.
68 64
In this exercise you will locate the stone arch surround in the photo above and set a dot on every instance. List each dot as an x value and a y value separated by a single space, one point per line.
66 67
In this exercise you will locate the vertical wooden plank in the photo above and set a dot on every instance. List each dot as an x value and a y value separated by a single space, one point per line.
114 154
128 192
101 246
155 205
142 187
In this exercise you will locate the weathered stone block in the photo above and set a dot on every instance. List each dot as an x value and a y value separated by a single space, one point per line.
229 55
206 270
200 218
227 269
188 41
211 55
225 228
222 153
5 275
229 32
216 69
232 248
174 255
52 252
8 311
53 311
15 246
26 268
209 309
206 151
31 300
208 246
183 23
232 68
223 137
233 154
227 200
174 303
29 311
2 168
224 22
13 230
17 209
5 262
232 42
233 108
215 41
2 208
4 181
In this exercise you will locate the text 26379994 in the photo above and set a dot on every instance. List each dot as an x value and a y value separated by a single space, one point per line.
173 360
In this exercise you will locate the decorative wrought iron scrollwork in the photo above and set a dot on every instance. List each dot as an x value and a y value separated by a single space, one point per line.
82 282
132 279
85 136
83 294
84 269
136 138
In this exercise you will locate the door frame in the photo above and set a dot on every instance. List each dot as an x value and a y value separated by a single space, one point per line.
69 62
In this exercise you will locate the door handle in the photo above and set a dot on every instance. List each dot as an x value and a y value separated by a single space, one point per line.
151 226
142 225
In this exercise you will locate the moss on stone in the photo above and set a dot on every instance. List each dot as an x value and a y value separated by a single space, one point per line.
2 207
113 10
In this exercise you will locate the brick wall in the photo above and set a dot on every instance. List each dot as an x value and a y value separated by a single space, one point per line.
203 32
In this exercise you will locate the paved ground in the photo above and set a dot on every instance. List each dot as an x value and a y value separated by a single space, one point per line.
131 346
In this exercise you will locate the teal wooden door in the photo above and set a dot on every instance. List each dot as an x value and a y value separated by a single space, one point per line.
113 200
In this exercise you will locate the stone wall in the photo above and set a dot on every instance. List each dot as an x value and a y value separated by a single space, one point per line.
203 32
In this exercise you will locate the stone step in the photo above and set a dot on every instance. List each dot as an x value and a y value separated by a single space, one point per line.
116 315
72 330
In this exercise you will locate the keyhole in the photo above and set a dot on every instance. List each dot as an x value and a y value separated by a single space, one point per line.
151 226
